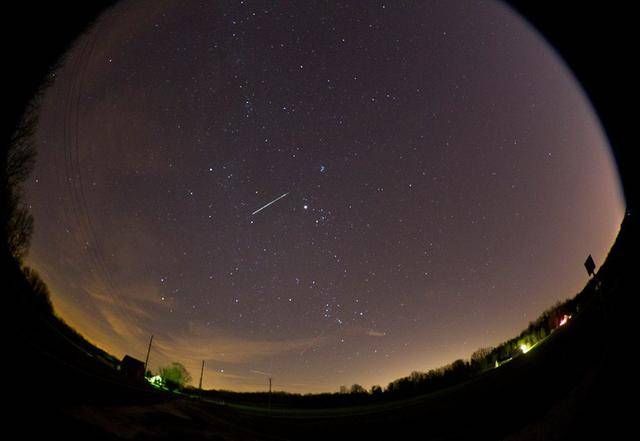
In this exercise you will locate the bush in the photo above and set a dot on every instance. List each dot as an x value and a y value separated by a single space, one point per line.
175 376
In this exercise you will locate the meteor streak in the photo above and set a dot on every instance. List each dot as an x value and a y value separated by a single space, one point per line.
265 206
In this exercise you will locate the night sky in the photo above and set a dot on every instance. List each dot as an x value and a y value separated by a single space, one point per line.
441 179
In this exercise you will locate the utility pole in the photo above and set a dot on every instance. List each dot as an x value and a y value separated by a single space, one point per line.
269 394
146 361
201 372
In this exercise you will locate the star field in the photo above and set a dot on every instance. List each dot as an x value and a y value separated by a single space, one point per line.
440 177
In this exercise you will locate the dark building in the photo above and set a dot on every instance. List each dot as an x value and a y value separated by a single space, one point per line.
132 368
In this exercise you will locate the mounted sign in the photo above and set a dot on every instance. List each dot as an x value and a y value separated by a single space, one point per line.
590 265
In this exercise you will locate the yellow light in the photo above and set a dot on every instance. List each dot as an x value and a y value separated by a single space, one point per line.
524 348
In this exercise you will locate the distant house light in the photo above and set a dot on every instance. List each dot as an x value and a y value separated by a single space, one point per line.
156 381
564 319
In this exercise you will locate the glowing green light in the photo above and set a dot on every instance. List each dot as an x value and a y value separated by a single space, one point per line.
524 348
156 381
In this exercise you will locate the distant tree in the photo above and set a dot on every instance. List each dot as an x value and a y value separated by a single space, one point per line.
40 298
175 376
481 354
16 221
344 390
357 389
456 371
19 229
376 390
481 358
417 377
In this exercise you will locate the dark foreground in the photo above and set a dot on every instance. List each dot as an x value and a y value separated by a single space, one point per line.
572 386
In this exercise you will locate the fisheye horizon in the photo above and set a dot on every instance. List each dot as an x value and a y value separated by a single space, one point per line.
321 195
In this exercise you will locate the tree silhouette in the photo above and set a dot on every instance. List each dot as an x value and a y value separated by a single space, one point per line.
40 298
480 359
175 376
17 222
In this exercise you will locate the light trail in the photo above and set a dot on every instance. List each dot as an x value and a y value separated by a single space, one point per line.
272 202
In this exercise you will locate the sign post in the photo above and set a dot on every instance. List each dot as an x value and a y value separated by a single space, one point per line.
590 266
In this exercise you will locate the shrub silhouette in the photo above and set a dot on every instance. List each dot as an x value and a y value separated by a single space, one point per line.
175 376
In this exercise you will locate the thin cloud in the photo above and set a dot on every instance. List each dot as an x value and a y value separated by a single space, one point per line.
374 333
